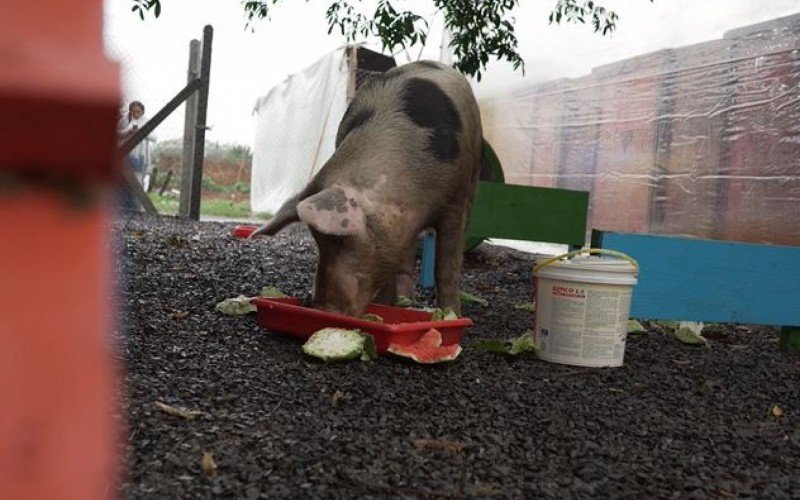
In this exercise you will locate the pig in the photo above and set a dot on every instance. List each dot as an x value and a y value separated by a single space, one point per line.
407 158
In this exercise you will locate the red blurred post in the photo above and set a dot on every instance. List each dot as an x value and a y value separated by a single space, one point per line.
58 108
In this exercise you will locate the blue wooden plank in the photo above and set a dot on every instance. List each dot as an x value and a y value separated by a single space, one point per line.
428 260
713 281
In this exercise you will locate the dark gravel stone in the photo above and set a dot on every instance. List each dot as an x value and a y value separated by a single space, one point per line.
674 422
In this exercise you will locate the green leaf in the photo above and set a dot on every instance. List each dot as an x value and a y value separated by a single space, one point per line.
403 302
236 306
443 314
371 317
523 344
495 346
688 332
635 328
272 292
525 306
468 298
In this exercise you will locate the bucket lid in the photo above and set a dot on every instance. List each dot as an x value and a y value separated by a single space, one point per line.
591 269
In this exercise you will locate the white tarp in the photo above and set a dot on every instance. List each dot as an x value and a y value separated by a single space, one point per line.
296 130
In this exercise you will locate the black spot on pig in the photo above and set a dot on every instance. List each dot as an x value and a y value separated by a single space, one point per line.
429 107
345 222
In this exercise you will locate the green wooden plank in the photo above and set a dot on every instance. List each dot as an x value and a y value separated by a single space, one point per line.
790 339
529 213
491 170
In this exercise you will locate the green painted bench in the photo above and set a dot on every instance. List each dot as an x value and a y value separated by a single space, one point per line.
521 213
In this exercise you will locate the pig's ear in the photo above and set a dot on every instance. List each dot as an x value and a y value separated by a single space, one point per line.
285 216
335 211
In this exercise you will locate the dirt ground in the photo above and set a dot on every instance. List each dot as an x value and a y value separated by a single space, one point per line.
676 421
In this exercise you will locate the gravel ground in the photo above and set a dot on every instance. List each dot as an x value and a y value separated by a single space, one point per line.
675 421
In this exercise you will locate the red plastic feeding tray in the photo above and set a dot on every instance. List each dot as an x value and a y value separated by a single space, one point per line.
243 231
400 325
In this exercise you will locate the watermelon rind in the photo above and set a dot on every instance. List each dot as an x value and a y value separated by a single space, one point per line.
339 344
428 349
335 344
370 351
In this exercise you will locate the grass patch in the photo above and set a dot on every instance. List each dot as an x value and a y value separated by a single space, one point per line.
165 204
216 207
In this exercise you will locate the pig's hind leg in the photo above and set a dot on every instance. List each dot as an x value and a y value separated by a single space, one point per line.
449 256
401 284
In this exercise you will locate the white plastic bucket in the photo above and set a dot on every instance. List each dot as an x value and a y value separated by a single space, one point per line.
582 307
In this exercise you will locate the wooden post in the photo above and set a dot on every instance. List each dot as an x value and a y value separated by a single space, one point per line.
153 174
166 183
200 124
353 72
189 131
192 176
133 184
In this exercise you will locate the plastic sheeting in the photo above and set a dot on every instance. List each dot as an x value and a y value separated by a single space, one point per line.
699 140
296 130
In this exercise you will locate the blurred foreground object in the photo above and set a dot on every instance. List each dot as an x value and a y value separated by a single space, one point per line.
58 102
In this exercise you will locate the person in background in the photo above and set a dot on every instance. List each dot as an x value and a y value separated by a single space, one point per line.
127 126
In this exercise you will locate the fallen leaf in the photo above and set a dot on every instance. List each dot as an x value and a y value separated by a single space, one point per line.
519 345
523 344
681 361
178 411
688 332
468 298
724 492
635 328
336 397
236 306
177 241
271 292
180 314
495 346
438 444
525 306
485 490
208 464
776 411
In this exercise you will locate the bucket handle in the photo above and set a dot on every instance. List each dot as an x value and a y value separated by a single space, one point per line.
603 251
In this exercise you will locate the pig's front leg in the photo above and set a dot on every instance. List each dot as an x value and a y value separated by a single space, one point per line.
387 294
401 284
449 256
405 275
